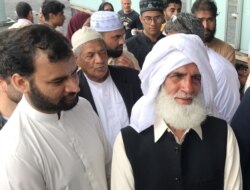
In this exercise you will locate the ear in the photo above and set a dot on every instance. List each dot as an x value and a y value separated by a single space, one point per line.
30 16
140 17
51 16
3 85
20 83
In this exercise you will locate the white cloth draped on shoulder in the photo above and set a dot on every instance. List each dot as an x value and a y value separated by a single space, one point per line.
167 55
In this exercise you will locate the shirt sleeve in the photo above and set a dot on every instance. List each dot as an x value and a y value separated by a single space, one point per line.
232 173
20 174
227 98
122 175
106 146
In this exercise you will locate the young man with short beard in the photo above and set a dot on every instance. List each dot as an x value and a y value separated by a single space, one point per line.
172 142
53 140
109 25
206 11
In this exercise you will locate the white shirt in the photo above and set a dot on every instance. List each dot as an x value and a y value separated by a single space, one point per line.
122 173
20 23
40 151
110 107
227 98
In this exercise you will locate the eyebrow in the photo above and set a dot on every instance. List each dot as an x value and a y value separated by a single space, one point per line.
63 77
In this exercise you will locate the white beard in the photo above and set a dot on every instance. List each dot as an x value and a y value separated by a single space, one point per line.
177 115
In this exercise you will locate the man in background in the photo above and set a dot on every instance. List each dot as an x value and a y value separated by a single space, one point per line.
151 16
206 11
109 25
170 7
24 14
52 11
130 18
9 96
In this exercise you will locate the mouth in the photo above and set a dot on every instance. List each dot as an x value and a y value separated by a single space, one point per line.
184 101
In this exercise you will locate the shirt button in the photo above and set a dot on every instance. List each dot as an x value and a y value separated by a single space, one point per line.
177 179
177 149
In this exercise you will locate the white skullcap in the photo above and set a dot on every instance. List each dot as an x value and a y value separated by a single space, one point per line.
105 21
167 55
249 50
83 35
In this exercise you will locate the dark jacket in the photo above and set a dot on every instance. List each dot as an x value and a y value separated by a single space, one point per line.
140 45
126 81
241 126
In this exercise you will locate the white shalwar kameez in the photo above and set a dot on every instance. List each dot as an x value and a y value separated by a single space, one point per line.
110 107
43 152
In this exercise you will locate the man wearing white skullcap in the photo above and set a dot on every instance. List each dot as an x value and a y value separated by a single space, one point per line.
171 142
227 98
109 25
111 90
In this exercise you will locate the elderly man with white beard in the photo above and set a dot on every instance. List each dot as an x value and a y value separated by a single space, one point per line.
174 141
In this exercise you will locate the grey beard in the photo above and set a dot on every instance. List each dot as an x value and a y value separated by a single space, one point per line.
179 116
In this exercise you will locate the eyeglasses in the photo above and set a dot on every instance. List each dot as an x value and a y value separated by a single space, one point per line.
156 19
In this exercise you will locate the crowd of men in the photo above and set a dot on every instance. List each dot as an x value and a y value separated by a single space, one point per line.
123 101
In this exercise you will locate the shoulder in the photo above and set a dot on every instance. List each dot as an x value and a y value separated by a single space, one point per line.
135 13
125 71
83 105
81 76
220 63
120 12
212 119
134 39
222 44
214 124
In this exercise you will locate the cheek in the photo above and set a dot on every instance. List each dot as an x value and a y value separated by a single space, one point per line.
197 89
171 88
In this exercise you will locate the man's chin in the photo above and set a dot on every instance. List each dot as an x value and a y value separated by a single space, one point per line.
69 103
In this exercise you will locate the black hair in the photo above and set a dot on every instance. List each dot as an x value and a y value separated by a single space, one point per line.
167 2
23 9
205 5
103 4
4 56
20 48
51 6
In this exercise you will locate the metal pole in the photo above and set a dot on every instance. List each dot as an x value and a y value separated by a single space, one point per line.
3 17
4 21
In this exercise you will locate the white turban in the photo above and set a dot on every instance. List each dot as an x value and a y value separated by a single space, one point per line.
167 55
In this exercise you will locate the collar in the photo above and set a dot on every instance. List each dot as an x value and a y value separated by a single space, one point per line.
160 127
24 21
149 40
91 82
25 106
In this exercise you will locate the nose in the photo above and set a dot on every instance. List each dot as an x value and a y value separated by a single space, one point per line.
121 40
72 85
98 59
175 12
188 86
205 24
153 21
